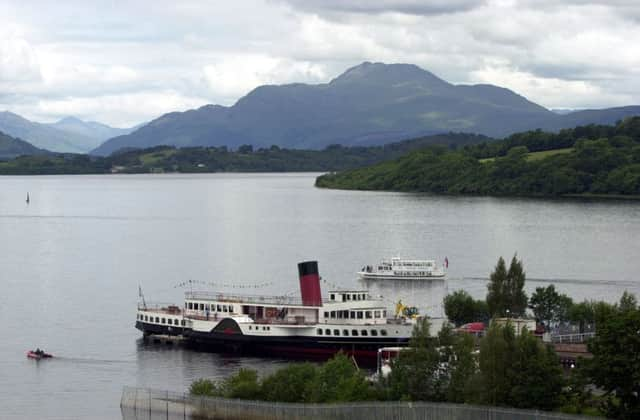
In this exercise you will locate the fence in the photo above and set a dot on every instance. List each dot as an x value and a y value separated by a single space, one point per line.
572 338
146 404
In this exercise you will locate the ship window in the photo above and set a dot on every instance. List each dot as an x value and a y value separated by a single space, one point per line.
376 314
374 333
326 314
268 328
353 315
336 332
145 318
202 306
224 308
346 314
363 332
333 296
333 314
319 331
354 333
219 308
327 332
348 297
367 314
264 328
182 322
383 332
186 305
339 314
344 298
190 305
359 314
345 332
164 321
384 313
158 319
230 308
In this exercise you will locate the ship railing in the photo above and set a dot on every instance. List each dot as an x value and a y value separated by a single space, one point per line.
255 299
572 338
168 308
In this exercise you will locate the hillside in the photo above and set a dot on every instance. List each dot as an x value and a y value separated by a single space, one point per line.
372 103
369 104
595 159
11 147
69 135
220 159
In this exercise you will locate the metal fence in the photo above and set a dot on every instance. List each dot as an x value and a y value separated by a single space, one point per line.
572 338
147 404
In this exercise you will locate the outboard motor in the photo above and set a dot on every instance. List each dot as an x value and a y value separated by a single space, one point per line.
310 283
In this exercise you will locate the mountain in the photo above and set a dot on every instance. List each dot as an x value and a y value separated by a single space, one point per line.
91 129
69 135
11 147
372 103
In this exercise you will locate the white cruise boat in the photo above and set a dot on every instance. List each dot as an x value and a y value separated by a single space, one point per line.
351 321
404 269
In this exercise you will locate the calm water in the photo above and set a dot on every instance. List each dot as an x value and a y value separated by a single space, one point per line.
71 262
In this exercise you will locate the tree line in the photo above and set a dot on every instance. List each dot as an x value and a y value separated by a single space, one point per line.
602 160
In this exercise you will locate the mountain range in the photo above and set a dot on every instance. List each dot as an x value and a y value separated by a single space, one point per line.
69 135
11 147
372 103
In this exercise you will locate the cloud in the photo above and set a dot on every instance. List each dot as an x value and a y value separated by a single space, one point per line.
412 7
129 63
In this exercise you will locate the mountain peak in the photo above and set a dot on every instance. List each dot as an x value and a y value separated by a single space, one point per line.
369 72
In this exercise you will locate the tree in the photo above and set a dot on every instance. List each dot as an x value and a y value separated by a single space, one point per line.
549 306
291 383
496 294
339 380
506 294
615 366
517 371
461 308
462 367
416 374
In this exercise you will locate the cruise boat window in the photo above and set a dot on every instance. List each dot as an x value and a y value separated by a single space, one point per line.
363 332
326 314
344 298
146 318
158 319
164 321
353 315
384 313
339 314
354 333
345 314
359 314
336 332
345 332
224 308
376 314
219 308
319 331
333 297
183 322
264 328
383 332
327 332
230 308
202 306
190 305
348 297
367 314
374 333
353 297
333 314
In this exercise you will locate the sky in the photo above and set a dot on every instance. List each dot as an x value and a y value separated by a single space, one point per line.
127 62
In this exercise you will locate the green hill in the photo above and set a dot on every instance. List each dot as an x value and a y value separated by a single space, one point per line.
593 159
11 147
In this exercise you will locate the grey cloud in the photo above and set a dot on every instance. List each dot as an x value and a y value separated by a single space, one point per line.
412 7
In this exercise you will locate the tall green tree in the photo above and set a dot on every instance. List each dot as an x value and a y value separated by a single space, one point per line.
615 366
497 352
506 296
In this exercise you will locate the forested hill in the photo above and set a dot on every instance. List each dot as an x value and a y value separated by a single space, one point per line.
220 159
11 147
593 159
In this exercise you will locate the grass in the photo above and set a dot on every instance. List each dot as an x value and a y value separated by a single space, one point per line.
533 156
150 159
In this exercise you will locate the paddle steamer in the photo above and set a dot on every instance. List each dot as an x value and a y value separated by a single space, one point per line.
351 321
